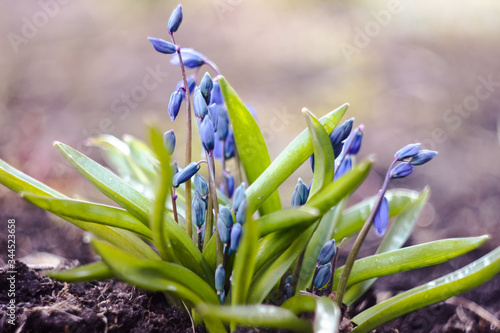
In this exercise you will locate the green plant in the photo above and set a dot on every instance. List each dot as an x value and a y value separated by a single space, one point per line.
150 242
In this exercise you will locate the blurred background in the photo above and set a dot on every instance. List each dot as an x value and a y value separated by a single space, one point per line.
419 71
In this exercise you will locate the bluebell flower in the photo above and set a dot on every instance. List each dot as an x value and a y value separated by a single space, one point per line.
300 194
241 212
344 167
239 196
222 123
341 133
201 185
175 19
225 216
190 58
327 252
381 218
175 102
356 143
322 276
199 210
407 151
230 184
423 156
190 81
162 46
206 86
311 161
220 278
212 115
216 95
401 170
236 233
224 231
218 148
185 174
229 145
169 141
207 134
338 149
199 104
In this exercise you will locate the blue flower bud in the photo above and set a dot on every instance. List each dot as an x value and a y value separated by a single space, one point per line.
311 160
239 195
344 167
220 278
401 170
341 132
229 146
202 232
338 149
216 95
323 275
423 156
222 297
230 184
175 19
288 279
381 218
207 134
327 252
190 58
212 115
224 231
162 46
225 216
199 210
175 168
191 83
218 149
174 104
241 212
288 291
300 194
206 86
236 233
169 141
199 104
185 174
356 143
407 151
200 185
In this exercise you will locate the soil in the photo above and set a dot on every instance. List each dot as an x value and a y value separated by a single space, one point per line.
45 305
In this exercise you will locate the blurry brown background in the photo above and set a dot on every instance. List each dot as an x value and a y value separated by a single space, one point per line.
418 71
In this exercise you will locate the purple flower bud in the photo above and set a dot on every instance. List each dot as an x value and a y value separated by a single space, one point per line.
199 104
311 160
300 194
169 141
381 218
225 216
212 115
190 58
229 146
338 149
216 95
199 210
207 134
344 167
218 149
423 156
230 184
191 83
222 123
323 275
175 19
327 252
220 278
206 86
162 46
224 231
236 233
341 132
239 195
174 105
401 170
407 151
356 143
200 185
185 174
241 212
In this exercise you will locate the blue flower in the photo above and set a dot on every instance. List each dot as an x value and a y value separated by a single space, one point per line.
174 104
381 218
344 167
199 210
423 156
236 233
300 194
206 86
341 133
407 151
229 145
356 143
207 134
169 141
191 83
220 278
401 170
327 252
212 115
199 104
225 216
216 95
224 231
185 174
230 184
162 46
241 212
190 58
201 185
323 275
175 19
239 196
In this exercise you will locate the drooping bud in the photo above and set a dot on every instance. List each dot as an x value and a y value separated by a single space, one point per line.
185 174
239 195
341 133
190 58
191 83
225 216
344 167
201 185
407 151
323 275
224 231
199 210
423 156
216 95
162 46
220 278
300 194
206 86
174 104
229 146
236 233
212 115
401 170
230 184
199 104
327 252
241 213
169 141
356 143
381 218
175 19
207 134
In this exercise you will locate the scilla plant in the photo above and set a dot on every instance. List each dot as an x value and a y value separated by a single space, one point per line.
232 256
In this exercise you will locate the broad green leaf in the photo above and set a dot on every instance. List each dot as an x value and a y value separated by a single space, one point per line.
466 278
293 156
91 272
90 212
327 316
157 275
395 238
252 149
300 303
409 258
324 159
355 216
257 316
142 155
287 219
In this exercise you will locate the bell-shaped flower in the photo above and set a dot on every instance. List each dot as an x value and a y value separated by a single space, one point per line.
381 217
229 183
216 94
169 141
212 115
344 167
199 104
341 133
191 83
199 210
190 58
185 174
175 102
220 278
327 252
201 185
225 216
407 151
175 19
401 170
236 233
356 143
241 212
300 194
239 196
207 134
229 145
206 85
162 46
423 156
224 231
322 276
222 297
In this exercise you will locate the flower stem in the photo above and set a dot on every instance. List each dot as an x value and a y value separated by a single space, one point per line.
174 204
213 196
213 66
209 223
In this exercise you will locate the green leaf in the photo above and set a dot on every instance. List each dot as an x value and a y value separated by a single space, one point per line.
409 258
327 316
91 272
287 219
300 303
395 238
293 156
256 315
324 159
143 156
466 278
90 212
355 216
252 149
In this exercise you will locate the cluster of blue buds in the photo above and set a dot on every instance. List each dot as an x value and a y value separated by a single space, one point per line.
230 231
288 288
324 266
350 148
